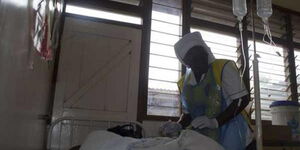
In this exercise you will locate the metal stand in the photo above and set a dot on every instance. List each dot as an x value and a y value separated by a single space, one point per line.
258 124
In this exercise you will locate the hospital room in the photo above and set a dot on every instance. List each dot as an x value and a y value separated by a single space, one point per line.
149 74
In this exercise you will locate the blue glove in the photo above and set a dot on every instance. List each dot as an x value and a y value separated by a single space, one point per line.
204 122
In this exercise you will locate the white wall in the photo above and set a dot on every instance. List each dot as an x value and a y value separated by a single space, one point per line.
24 93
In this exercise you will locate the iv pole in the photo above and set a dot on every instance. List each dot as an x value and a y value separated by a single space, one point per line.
258 124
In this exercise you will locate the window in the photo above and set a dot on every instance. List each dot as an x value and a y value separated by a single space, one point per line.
164 67
272 76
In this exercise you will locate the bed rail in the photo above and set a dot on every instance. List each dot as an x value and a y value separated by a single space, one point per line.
66 132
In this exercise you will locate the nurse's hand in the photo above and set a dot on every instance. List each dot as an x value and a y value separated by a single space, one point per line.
204 122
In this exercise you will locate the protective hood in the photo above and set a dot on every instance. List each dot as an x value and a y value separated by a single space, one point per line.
189 41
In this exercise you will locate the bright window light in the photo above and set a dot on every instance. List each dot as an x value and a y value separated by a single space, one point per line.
17 3
103 14
166 17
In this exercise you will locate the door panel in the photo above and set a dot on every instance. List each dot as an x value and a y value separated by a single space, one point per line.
98 71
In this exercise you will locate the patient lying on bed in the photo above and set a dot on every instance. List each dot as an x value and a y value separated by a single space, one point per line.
187 140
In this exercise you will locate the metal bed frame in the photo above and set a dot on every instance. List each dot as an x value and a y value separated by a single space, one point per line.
66 132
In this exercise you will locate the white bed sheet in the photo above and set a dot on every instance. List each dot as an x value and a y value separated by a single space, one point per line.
188 140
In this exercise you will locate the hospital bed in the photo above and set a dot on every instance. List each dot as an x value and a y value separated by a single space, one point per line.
68 132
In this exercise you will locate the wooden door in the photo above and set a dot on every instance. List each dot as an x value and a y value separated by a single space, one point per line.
98 71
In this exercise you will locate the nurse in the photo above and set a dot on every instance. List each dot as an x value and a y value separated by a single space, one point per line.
213 95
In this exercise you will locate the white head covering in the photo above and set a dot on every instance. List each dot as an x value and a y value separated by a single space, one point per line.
187 42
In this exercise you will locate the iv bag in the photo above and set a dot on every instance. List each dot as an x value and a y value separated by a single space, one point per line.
239 8
264 11
264 8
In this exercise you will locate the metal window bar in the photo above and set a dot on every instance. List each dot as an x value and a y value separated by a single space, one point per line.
162 68
165 33
166 22
162 55
130 2
161 106
162 80
222 44
165 5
